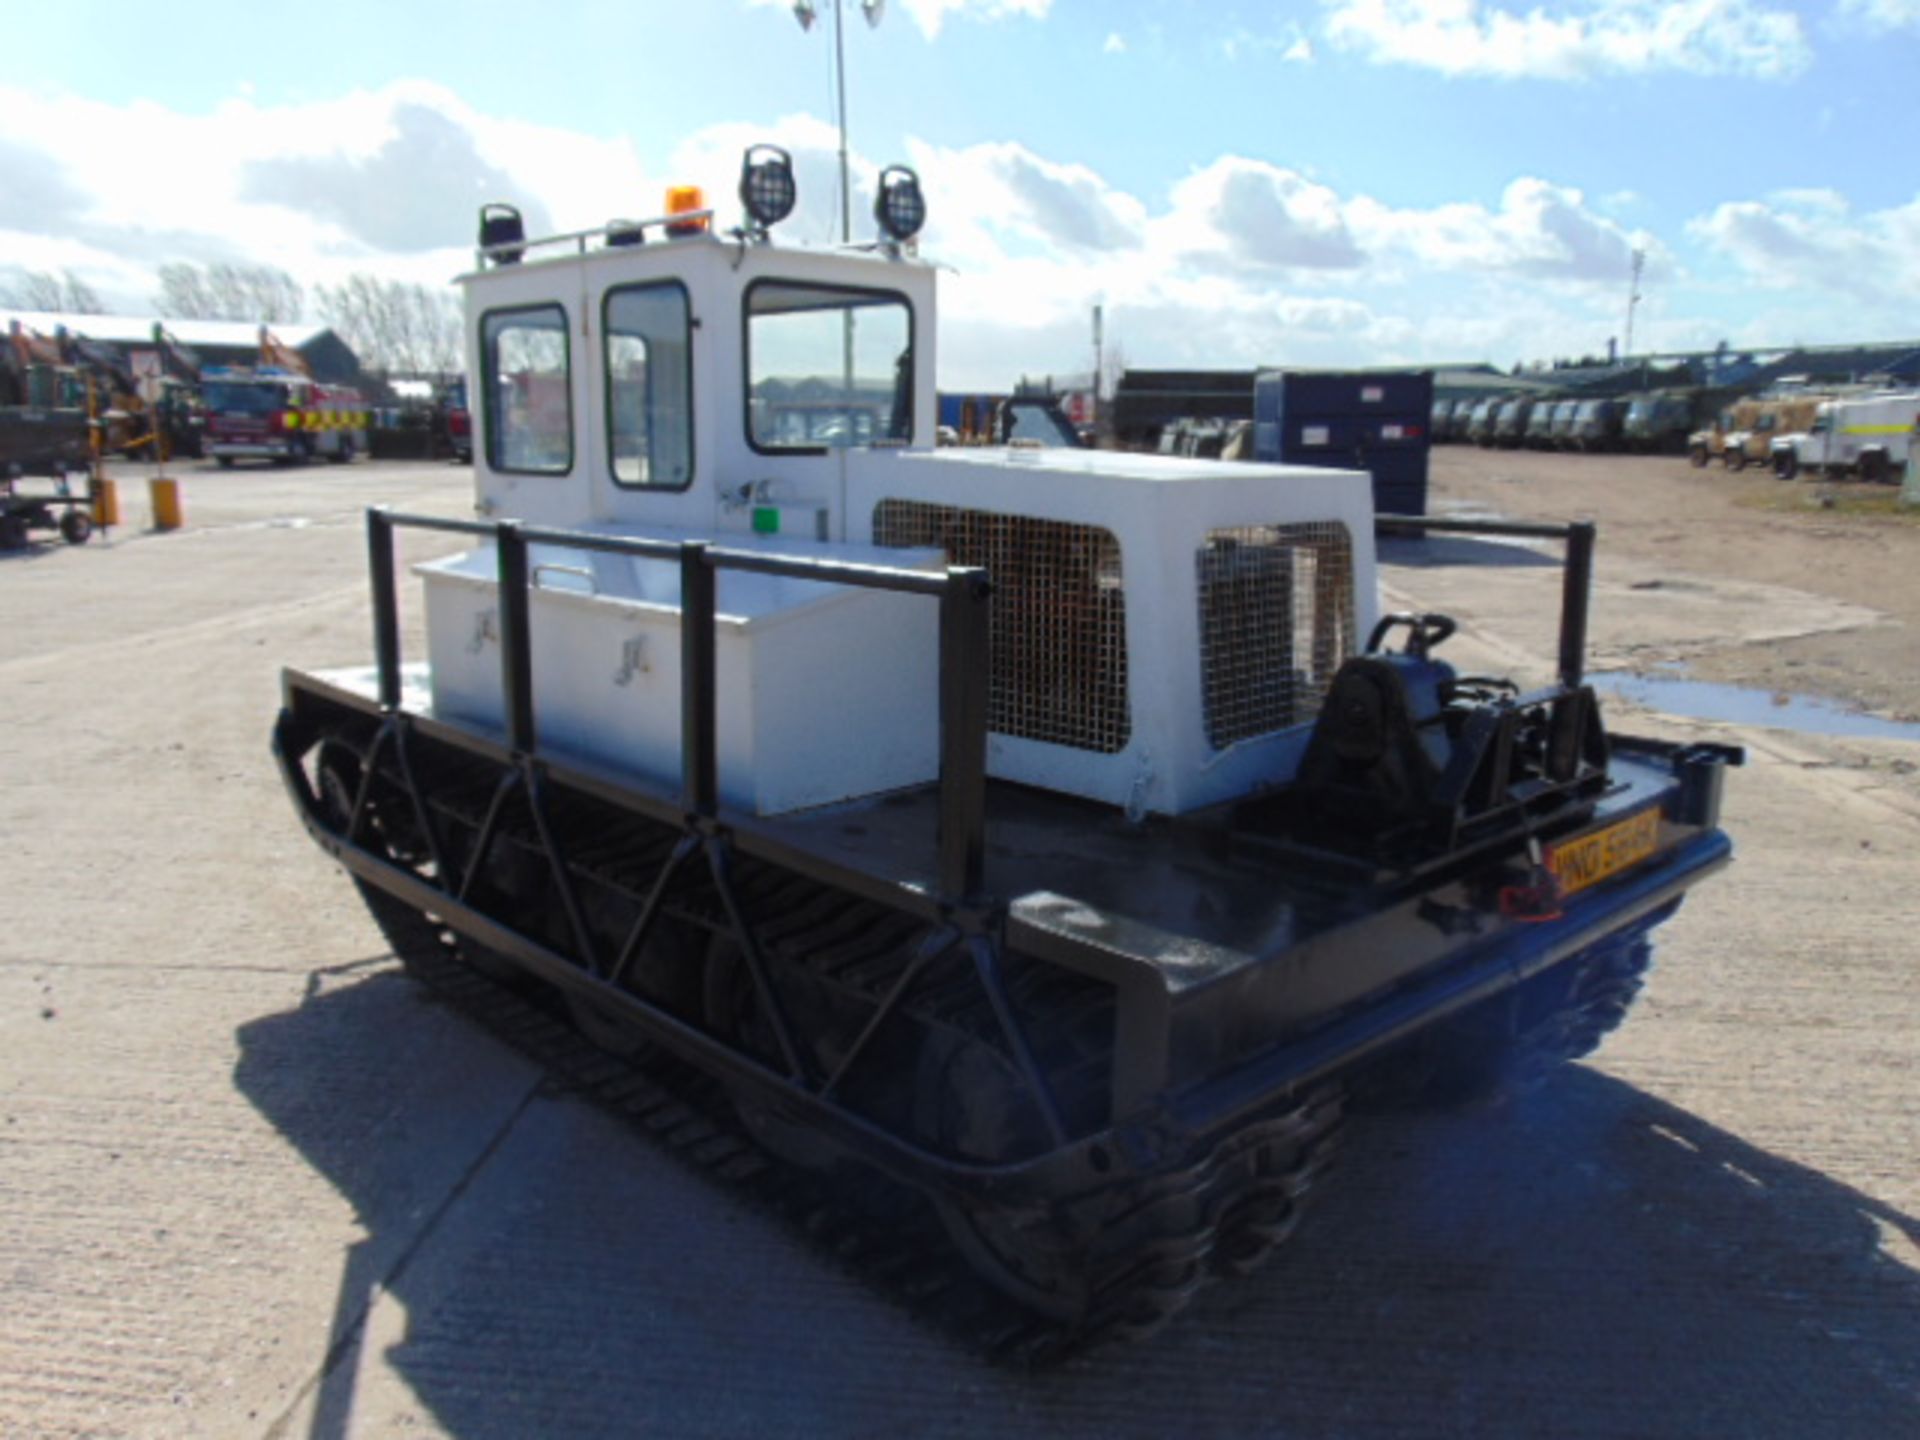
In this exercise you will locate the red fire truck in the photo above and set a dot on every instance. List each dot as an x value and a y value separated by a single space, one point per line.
277 415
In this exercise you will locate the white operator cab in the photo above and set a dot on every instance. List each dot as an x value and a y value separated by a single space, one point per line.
1161 629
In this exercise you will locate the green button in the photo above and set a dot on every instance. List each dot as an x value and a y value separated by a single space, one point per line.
766 520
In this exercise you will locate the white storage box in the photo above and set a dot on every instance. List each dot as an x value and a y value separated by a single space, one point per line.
825 692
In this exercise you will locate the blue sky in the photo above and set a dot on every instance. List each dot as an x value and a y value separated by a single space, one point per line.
1347 181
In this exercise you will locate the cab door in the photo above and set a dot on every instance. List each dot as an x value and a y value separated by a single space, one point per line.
642 403
529 364
831 365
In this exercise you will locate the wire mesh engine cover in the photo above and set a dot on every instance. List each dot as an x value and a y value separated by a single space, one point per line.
1163 629
1276 620
1057 633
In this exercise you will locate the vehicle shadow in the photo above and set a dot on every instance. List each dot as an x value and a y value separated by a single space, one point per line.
1588 1261
1430 552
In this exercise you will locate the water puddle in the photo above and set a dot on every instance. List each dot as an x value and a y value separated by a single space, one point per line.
1704 700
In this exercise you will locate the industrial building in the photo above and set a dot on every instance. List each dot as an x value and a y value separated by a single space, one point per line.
215 342
1145 401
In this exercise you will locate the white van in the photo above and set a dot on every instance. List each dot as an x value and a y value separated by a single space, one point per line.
1869 434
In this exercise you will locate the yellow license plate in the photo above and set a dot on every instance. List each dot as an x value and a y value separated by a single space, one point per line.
1592 858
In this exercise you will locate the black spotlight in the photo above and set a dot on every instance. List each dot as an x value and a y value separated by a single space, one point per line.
625 232
501 225
898 204
766 185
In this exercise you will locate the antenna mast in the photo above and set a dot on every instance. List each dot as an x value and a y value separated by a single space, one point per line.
1633 296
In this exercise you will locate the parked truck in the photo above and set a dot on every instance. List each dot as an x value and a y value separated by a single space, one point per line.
1745 431
1540 424
1510 421
1869 435
1595 425
1481 422
1660 422
272 414
43 408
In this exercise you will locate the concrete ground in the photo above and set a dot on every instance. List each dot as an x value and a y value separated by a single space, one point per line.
256 1185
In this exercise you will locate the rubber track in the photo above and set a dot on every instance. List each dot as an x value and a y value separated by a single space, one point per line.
1601 993
1483 1054
905 1253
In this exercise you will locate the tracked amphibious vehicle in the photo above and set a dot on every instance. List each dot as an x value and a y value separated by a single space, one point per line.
1061 835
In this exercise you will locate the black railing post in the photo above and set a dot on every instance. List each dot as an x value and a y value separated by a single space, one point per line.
1576 591
516 639
699 672
963 733
386 606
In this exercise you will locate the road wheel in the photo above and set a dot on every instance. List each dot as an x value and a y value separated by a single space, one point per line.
1697 457
225 462
1873 467
666 972
1786 465
1736 459
731 1007
13 532
76 526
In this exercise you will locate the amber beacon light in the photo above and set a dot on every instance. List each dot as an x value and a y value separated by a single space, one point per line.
687 204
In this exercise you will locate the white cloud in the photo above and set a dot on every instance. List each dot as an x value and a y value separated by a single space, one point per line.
1540 231
1291 44
1253 215
389 179
1116 43
1576 41
1812 240
1241 261
931 15
1883 14
995 204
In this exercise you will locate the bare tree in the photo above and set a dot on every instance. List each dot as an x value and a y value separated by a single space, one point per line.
43 290
396 329
261 294
183 293
80 297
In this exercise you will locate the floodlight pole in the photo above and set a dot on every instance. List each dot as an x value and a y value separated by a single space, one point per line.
805 12
840 94
1633 294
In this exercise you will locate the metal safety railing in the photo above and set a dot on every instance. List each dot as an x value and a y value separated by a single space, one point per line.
1576 581
963 594
613 232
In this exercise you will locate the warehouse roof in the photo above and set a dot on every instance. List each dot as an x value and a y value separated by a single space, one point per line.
138 329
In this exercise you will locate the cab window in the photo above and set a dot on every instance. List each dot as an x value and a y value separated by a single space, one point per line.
827 366
649 367
529 390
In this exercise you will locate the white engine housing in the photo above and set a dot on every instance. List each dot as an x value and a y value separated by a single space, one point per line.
1160 512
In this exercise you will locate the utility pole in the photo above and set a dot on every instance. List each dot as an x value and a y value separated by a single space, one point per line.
1099 345
1633 294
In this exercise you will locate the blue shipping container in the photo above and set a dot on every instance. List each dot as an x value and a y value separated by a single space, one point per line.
1350 420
